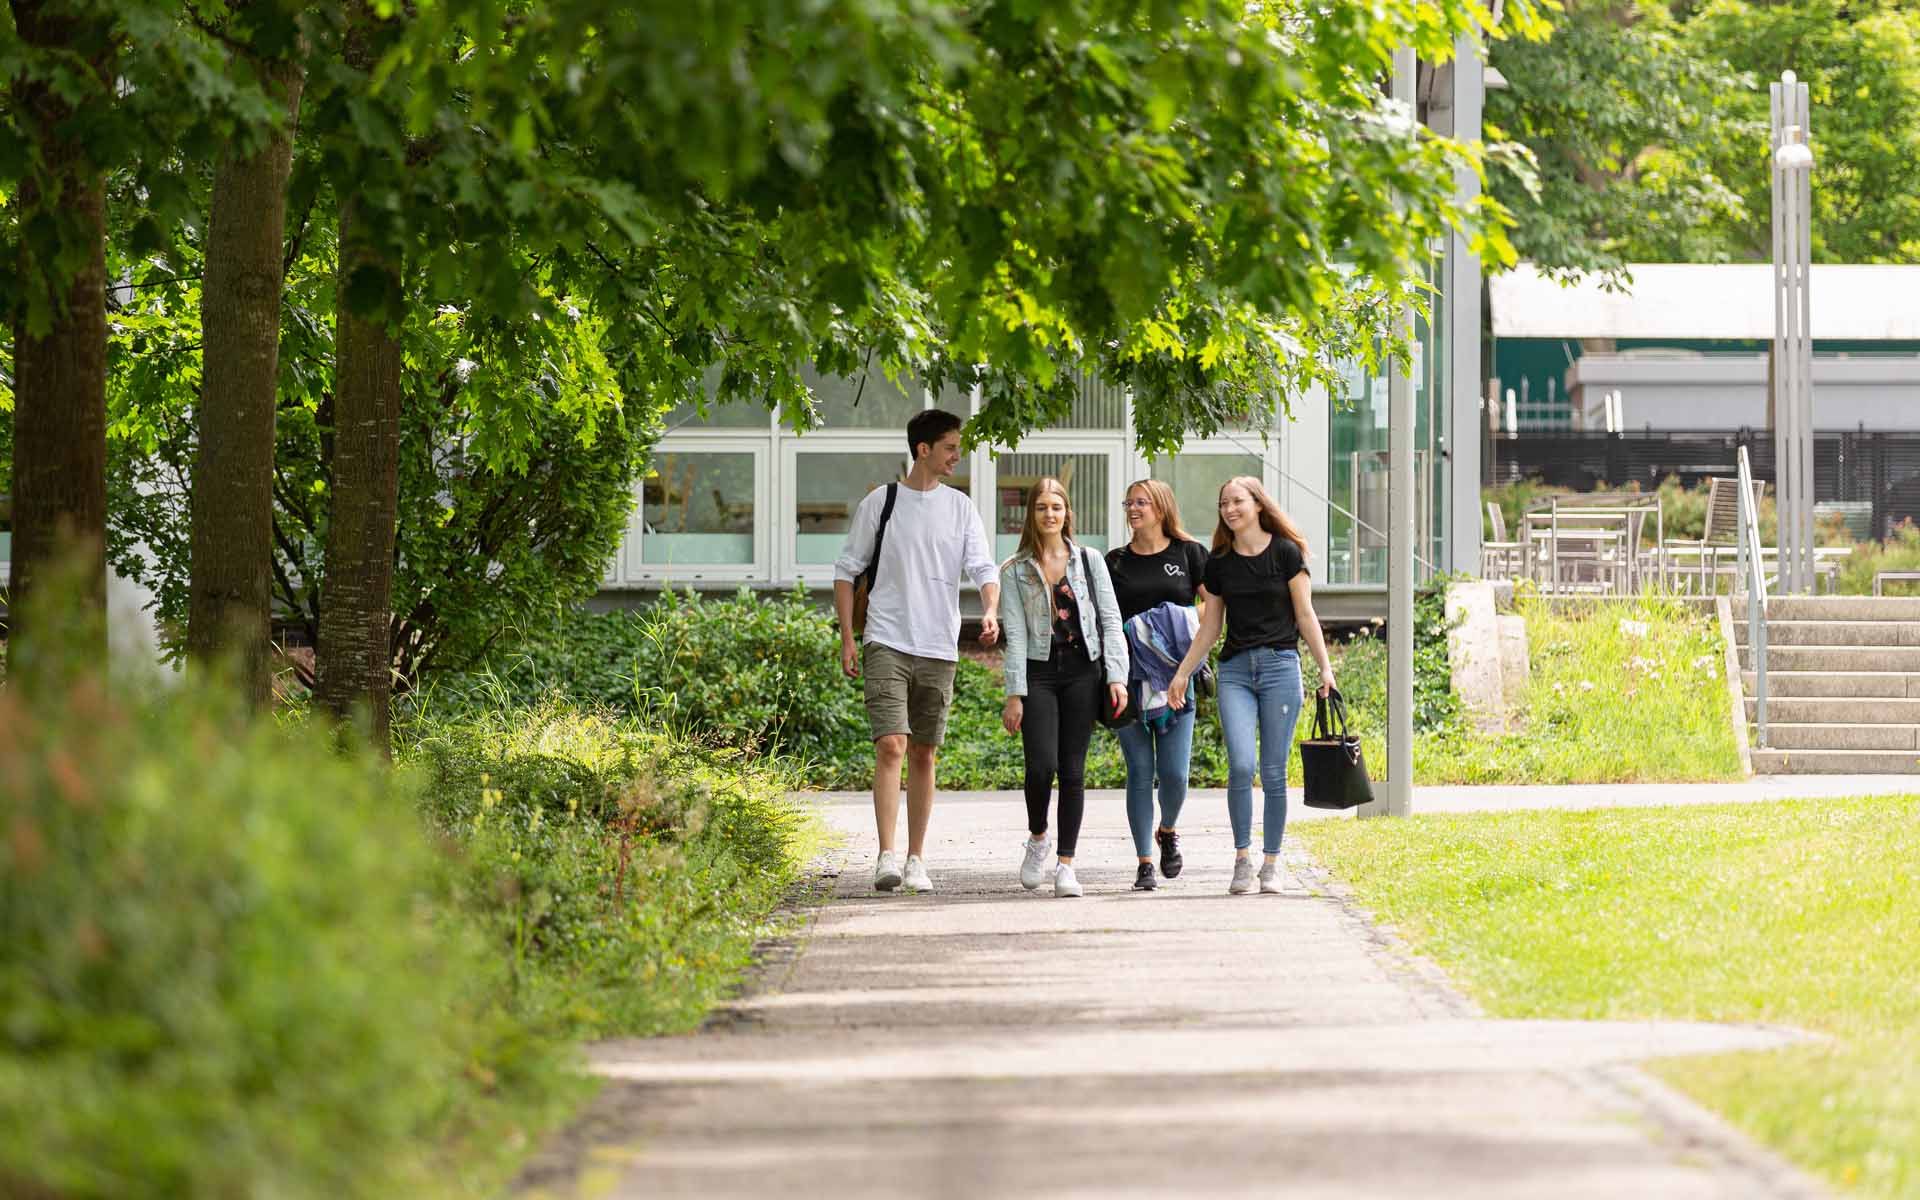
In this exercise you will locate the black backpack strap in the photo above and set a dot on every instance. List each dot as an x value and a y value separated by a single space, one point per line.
880 536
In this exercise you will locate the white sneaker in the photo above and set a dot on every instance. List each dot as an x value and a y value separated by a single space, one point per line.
916 878
1033 868
886 872
1242 877
1274 878
1064 882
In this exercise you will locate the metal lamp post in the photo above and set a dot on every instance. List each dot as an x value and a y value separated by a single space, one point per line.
1398 800
1792 375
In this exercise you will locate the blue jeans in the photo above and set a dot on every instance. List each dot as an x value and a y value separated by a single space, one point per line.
1148 755
1259 694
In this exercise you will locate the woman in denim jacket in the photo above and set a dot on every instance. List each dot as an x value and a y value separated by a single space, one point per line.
1061 625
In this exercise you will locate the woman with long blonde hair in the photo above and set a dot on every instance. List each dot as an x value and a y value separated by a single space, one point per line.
1161 564
1258 572
1063 641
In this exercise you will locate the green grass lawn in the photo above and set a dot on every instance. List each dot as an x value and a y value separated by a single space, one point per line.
1802 913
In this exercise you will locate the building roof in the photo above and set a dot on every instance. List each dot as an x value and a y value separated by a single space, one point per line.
1706 300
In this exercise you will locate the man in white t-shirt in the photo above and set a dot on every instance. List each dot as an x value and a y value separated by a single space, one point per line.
932 536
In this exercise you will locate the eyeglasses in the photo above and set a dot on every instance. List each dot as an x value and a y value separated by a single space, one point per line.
1139 504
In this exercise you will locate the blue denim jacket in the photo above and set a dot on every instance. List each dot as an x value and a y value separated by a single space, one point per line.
1026 615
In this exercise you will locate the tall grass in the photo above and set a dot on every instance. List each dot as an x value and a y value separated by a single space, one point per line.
237 961
1616 693
624 871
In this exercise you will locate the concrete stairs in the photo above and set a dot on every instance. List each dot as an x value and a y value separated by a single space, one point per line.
1843 685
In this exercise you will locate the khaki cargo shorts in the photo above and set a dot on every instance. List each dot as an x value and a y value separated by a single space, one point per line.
907 693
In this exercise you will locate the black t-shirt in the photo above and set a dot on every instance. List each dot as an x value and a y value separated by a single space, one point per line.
1144 581
1259 607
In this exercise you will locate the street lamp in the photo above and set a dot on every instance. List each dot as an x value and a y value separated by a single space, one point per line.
1792 374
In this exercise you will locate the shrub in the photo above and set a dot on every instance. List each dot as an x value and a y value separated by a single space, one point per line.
623 873
762 673
742 672
1901 552
226 965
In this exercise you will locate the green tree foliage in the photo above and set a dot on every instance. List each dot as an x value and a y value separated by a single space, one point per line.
1206 204
1176 194
1861 62
1644 124
1622 118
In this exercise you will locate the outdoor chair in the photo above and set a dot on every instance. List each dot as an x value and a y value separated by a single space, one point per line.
1500 558
1720 531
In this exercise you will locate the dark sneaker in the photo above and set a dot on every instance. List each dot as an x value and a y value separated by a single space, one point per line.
1170 860
1143 879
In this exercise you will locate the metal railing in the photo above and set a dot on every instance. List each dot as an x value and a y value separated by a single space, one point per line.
1751 572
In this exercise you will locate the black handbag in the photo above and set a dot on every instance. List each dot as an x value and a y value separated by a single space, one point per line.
1331 762
1129 715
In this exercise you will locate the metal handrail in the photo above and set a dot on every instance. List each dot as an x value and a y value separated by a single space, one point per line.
1751 571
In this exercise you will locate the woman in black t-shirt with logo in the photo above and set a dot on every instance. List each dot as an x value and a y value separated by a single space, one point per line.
1163 563
1258 571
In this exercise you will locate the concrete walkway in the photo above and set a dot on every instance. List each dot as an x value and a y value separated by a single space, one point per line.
984 1041
1757 789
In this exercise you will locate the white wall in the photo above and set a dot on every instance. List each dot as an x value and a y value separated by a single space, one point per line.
1730 391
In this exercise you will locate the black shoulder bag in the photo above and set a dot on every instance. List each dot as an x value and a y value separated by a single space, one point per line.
1331 763
863 586
1130 714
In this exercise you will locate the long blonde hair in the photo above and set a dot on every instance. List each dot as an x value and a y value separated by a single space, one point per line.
1272 519
1030 531
1166 506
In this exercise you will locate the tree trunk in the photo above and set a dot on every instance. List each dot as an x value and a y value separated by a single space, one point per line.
60 379
229 612
352 658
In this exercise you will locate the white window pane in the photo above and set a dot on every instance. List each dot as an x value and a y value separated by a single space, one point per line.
827 488
698 509
1085 477
1196 479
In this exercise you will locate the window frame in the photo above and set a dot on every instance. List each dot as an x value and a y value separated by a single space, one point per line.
1117 447
639 573
821 442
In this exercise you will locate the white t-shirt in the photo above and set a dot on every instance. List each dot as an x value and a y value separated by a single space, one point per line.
933 537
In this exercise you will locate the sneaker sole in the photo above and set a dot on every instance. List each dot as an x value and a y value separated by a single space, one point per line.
1072 895
886 883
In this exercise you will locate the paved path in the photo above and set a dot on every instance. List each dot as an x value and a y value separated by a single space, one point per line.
1501 798
988 1042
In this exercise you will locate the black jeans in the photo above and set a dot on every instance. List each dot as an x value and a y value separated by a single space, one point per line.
1055 728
